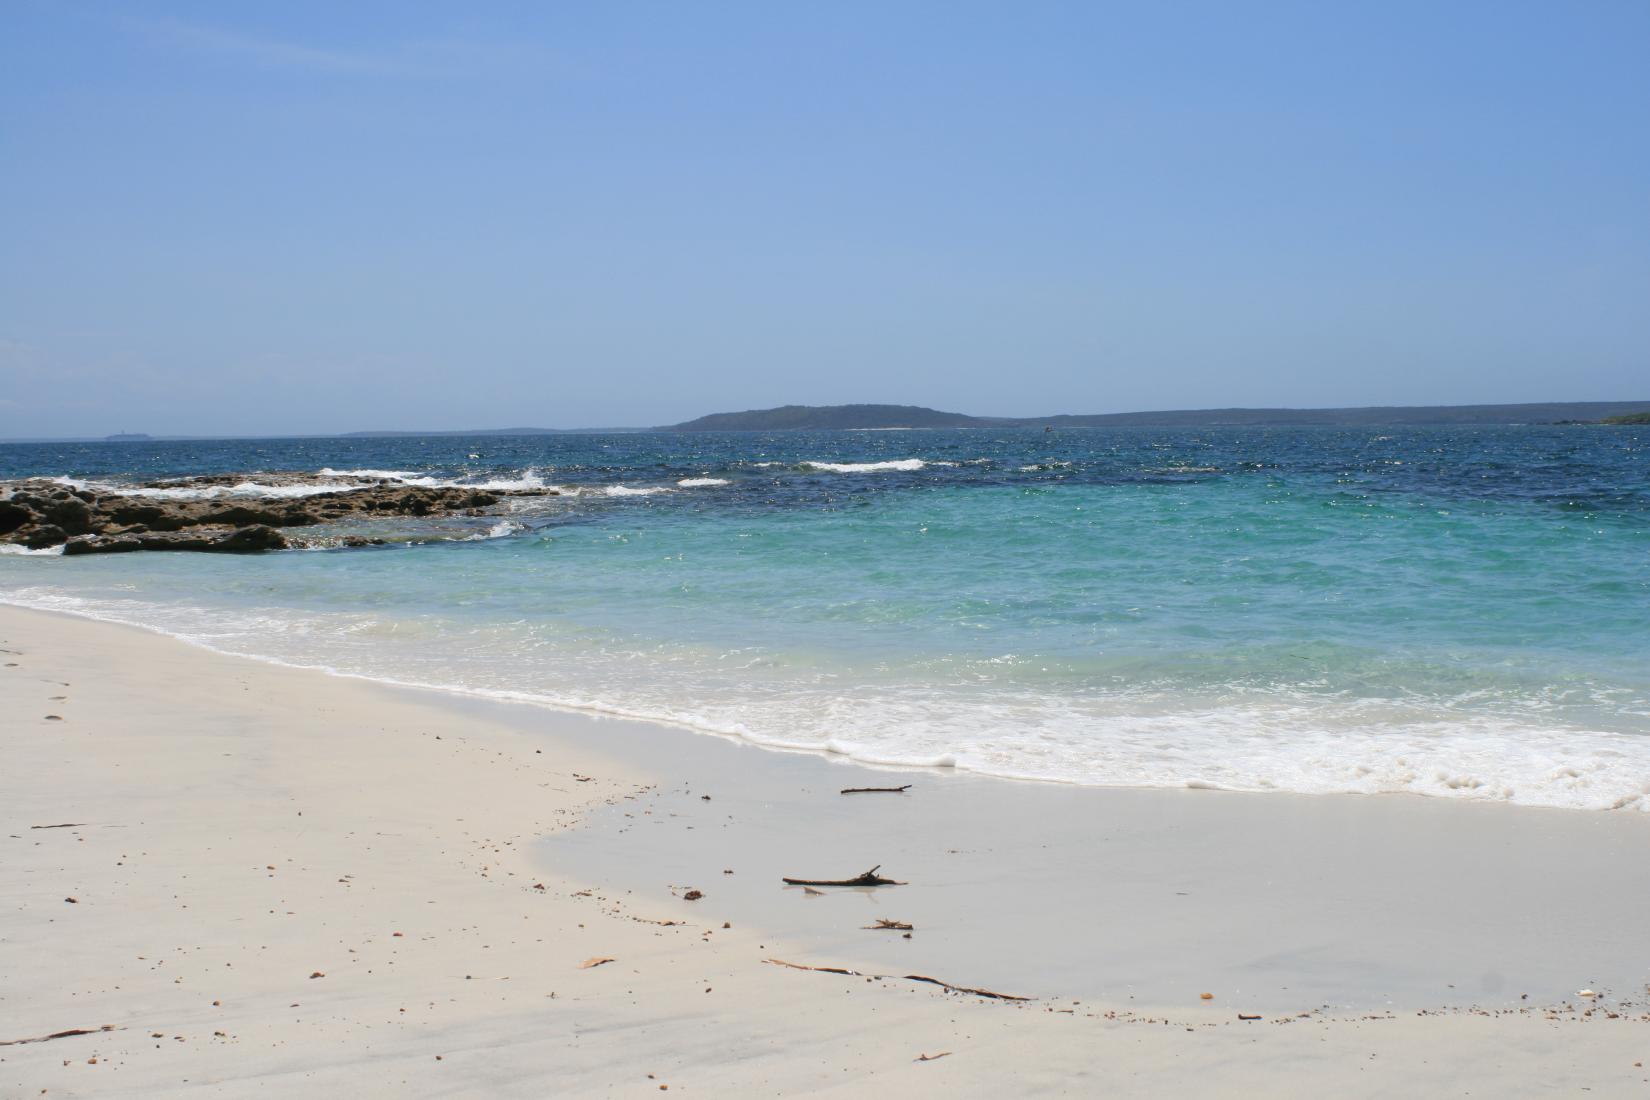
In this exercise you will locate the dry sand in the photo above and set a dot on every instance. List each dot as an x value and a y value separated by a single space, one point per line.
287 883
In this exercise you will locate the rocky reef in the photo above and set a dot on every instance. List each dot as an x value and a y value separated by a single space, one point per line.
212 514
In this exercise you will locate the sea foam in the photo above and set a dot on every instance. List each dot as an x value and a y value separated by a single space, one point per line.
906 464
635 491
1286 743
245 490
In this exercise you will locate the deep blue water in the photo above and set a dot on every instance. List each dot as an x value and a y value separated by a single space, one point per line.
1458 612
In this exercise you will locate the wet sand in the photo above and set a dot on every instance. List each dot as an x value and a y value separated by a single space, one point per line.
1274 902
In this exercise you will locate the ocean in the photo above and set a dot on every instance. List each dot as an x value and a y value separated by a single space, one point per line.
1451 612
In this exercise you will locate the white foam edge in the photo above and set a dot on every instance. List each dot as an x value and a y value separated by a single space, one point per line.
830 749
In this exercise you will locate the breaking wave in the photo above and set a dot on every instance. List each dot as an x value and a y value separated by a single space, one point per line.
906 464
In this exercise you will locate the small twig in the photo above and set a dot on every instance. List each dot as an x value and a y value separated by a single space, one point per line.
61 1035
964 989
65 825
933 1057
869 878
876 790
883 923
819 969
993 995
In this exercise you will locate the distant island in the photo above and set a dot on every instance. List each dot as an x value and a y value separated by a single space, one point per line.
827 418
850 417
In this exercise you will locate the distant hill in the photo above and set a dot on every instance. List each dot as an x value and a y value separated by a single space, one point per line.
840 417
849 417
830 418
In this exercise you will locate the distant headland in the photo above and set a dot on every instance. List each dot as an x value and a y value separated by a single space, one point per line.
850 417
826 418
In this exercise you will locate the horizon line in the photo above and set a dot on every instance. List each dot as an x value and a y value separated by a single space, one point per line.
1010 421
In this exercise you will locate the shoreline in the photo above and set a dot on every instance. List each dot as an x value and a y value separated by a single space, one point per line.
174 778
440 694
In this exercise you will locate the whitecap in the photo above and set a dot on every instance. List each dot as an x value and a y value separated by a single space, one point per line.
699 482
628 491
503 529
529 479
387 475
245 490
868 467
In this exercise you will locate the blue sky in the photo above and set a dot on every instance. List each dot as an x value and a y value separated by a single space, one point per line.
304 217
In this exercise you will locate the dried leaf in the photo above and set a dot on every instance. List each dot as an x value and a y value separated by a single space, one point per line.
595 960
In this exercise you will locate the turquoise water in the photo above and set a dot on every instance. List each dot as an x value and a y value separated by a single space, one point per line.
1461 613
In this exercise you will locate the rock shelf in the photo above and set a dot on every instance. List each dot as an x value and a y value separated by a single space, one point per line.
40 514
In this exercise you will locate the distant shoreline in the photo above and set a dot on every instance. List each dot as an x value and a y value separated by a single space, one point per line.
913 417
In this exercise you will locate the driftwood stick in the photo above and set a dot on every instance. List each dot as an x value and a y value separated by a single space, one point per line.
965 989
995 996
60 1035
818 969
65 825
876 790
869 878
883 923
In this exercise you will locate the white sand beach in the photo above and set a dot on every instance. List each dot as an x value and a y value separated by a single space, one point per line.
230 878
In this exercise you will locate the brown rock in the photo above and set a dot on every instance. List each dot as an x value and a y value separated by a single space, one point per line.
44 536
41 514
13 516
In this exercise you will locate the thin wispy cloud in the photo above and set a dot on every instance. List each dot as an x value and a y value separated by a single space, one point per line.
431 58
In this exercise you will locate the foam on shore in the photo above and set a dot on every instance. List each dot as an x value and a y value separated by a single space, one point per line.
1280 743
